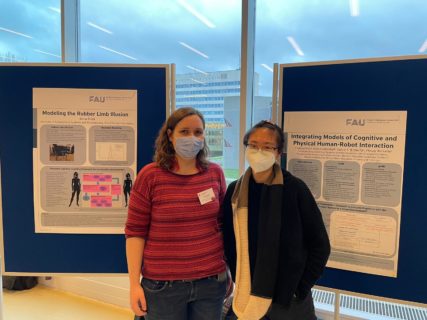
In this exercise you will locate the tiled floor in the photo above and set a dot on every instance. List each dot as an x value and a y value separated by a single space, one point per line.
42 303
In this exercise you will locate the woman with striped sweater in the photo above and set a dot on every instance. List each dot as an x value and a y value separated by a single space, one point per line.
173 228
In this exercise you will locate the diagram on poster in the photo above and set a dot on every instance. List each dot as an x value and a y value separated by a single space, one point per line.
84 159
353 164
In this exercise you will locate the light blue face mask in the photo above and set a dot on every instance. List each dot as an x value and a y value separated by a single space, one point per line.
188 147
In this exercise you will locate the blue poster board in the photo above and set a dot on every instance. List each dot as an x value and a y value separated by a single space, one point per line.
28 252
375 85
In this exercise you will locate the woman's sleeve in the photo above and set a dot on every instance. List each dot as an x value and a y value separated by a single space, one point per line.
223 186
315 237
228 230
139 211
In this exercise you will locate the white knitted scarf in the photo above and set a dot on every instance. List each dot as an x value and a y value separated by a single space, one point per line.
245 305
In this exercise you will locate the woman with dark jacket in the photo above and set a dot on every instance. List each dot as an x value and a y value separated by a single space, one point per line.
275 240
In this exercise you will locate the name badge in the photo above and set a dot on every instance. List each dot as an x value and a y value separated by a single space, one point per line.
206 196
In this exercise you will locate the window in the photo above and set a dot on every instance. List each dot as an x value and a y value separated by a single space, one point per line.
289 31
30 31
201 37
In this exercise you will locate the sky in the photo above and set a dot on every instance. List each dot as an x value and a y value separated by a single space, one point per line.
205 35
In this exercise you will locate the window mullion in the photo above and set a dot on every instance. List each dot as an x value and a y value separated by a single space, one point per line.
246 73
70 30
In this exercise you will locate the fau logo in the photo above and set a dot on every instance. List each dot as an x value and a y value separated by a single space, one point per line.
96 99
355 122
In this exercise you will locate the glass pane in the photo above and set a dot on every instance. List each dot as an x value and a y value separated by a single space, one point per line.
30 31
290 31
201 37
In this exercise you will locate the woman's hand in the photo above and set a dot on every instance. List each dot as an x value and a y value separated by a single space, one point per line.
137 300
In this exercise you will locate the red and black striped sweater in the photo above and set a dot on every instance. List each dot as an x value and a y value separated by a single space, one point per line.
182 237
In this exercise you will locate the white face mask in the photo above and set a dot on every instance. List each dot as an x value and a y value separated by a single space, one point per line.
260 160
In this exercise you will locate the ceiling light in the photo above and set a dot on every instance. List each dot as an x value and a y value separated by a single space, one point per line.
267 67
194 50
198 70
295 45
47 53
117 52
15 32
195 13
55 9
99 28
423 47
354 8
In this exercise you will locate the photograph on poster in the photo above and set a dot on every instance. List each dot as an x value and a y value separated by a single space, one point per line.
59 152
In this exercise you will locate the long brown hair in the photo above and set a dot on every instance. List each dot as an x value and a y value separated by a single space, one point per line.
165 153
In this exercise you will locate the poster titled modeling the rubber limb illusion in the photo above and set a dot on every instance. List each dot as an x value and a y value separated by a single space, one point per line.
353 164
84 159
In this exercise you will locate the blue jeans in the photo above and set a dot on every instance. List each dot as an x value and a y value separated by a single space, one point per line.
184 300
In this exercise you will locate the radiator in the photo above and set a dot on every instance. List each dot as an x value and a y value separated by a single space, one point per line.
352 307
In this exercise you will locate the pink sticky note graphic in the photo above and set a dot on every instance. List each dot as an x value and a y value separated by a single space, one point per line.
101 201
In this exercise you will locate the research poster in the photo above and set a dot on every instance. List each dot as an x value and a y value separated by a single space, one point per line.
353 163
84 159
